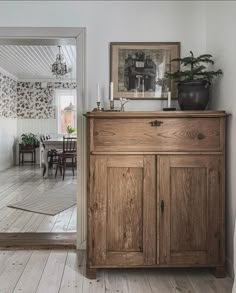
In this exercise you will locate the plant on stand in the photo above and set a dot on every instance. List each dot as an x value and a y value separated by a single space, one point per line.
29 140
194 81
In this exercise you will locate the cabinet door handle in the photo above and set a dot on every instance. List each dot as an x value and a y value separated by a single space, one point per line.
162 206
156 123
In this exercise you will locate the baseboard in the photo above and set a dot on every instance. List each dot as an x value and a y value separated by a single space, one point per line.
230 267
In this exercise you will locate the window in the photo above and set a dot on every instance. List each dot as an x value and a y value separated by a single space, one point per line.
66 113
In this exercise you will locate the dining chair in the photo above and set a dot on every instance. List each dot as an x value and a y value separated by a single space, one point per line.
68 156
52 155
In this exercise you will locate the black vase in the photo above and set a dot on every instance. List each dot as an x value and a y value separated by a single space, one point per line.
193 94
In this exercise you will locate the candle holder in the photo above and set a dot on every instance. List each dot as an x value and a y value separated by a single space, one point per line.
112 105
169 108
98 109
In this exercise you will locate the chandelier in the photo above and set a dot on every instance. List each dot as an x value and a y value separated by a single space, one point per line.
59 67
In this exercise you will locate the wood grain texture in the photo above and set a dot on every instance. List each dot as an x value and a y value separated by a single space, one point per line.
38 240
185 134
188 209
191 209
122 210
97 205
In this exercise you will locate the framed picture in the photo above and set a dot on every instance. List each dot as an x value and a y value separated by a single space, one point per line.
137 70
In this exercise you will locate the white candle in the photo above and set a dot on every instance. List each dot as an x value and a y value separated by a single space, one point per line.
169 99
98 94
111 91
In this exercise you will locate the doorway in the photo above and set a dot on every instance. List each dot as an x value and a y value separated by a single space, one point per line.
26 36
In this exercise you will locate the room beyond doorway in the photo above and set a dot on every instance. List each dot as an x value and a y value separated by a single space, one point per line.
30 35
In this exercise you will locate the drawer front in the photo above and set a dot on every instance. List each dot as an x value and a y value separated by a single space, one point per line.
156 135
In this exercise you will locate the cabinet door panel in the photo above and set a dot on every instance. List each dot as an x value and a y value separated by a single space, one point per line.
122 210
191 190
124 213
188 206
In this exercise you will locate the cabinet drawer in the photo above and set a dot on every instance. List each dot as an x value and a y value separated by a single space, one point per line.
156 135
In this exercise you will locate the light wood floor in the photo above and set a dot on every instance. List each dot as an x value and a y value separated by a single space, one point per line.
63 271
20 182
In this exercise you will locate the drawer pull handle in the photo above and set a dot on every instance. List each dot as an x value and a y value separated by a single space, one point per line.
162 206
200 136
156 123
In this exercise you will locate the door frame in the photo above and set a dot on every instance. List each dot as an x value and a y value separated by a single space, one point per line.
79 35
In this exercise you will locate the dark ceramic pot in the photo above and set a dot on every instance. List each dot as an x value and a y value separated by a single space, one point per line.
193 95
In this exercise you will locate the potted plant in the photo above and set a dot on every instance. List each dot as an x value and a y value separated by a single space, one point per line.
70 130
29 140
193 81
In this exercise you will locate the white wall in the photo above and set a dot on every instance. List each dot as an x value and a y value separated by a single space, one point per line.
220 25
36 126
8 132
108 21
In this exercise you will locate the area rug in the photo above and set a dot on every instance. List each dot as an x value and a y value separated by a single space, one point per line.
50 202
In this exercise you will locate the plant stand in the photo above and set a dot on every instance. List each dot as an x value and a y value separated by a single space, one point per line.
27 150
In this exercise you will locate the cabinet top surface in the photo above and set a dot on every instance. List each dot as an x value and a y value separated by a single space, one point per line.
149 114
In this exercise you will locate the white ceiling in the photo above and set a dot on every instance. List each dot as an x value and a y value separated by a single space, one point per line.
34 62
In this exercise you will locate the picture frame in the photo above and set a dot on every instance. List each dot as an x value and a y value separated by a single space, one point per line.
137 69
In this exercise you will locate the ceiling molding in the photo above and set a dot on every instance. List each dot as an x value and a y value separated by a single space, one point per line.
47 80
38 42
40 32
3 71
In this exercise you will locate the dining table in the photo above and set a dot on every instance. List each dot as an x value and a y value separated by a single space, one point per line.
46 146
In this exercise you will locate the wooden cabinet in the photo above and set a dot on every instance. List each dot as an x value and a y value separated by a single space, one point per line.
155 190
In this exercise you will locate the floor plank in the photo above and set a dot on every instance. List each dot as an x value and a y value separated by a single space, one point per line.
48 224
137 281
32 273
73 221
180 282
159 280
14 268
72 280
116 281
63 221
95 286
53 272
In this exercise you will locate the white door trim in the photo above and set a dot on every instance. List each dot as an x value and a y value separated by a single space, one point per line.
79 35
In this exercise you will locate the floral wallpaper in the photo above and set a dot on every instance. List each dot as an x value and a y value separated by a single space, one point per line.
8 96
36 101
29 99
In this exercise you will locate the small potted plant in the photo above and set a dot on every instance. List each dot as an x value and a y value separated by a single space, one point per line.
29 141
70 130
194 81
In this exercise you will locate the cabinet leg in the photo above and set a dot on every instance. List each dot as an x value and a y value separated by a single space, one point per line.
91 273
219 272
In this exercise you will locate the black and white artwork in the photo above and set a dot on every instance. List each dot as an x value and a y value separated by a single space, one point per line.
138 69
